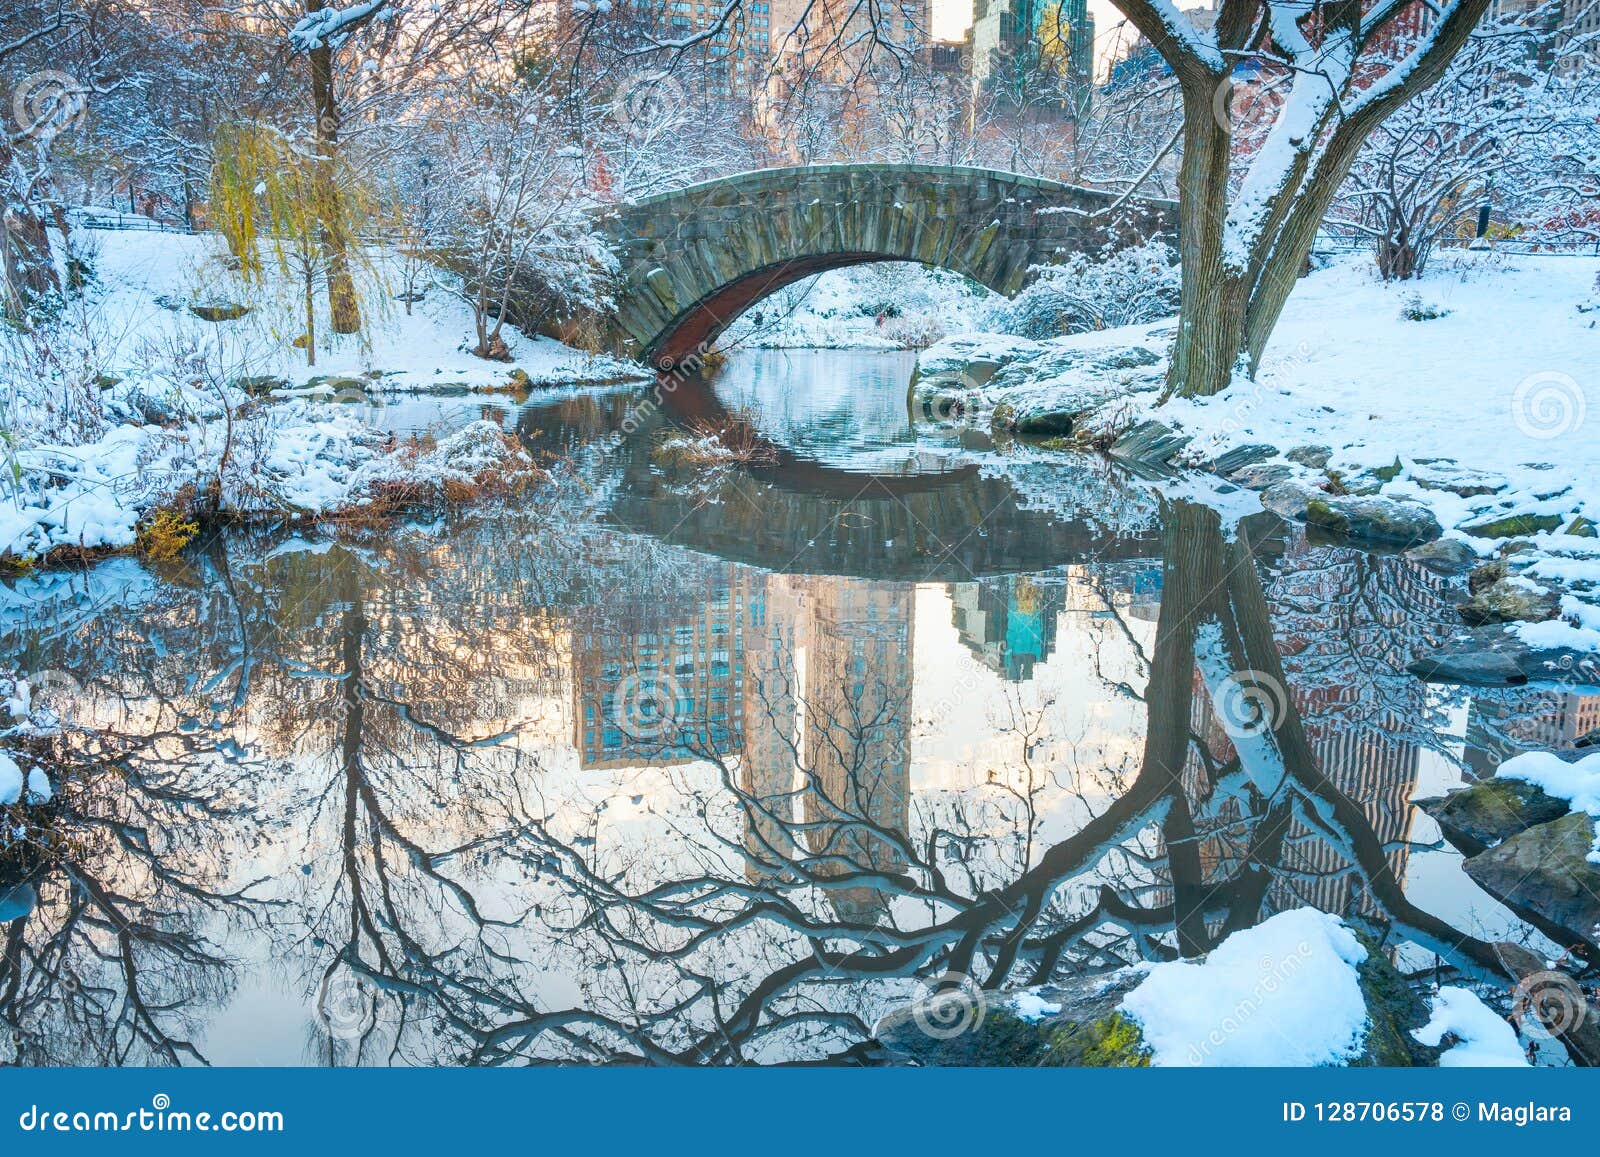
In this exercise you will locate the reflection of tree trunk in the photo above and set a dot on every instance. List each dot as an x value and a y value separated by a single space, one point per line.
352 717
1341 820
1191 586
342 301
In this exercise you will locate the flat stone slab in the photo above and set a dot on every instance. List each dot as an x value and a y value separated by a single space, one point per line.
1486 814
1149 443
1494 657
1543 874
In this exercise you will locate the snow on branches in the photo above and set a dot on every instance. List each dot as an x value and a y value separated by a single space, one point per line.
333 26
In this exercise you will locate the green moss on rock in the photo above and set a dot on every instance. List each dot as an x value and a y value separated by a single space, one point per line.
1394 1009
1319 512
1492 811
1514 524
1112 1042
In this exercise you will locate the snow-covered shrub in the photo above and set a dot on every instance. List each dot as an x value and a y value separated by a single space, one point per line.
1414 308
916 332
708 445
478 461
1135 285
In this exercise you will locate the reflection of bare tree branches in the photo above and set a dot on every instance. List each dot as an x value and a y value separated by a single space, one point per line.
119 955
472 889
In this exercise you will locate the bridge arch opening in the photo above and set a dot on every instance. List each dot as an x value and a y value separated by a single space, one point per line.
699 327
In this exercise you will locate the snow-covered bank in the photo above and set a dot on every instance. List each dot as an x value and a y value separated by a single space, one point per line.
130 403
290 460
145 283
1468 392
1299 989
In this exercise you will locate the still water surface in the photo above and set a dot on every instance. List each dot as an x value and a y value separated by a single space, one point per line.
716 764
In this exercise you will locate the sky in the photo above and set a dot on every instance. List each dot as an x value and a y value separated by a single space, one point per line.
951 18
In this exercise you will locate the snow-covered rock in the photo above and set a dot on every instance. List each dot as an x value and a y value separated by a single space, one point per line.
1576 782
11 779
1483 1038
1297 989
1286 992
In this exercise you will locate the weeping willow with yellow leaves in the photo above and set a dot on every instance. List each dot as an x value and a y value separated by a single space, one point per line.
275 199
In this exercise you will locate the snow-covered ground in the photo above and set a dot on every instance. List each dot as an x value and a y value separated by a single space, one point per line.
1285 992
1499 393
1483 1039
146 280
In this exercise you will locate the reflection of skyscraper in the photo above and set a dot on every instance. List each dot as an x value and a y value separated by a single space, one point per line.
1507 723
1009 623
665 679
777 633
827 726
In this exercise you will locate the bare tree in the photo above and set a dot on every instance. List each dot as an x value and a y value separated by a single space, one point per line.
1339 70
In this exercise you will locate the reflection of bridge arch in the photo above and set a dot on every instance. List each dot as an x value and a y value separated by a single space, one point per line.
955 529
694 402
811 518
694 259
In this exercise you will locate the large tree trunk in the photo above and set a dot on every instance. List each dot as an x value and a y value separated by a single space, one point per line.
1233 294
343 304
1212 300
30 271
28 264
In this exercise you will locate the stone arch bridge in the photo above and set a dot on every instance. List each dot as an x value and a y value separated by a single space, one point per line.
693 259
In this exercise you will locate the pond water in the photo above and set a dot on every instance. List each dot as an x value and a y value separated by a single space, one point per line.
716 762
